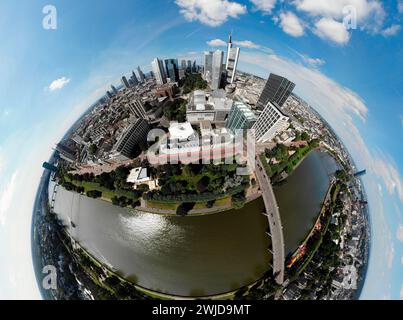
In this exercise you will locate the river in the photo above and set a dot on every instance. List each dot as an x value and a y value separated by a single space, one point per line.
300 198
186 256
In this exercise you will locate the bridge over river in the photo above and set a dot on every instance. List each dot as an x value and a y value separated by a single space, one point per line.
273 215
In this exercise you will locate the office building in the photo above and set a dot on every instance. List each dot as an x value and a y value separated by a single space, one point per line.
208 66
141 75
109 95
125 83
240 117
232 61
213 107
189 67
65 152
270 123
277 90
194 68
129 140
136 107
114 90
134 79
183 65
216 77
159 71
172 69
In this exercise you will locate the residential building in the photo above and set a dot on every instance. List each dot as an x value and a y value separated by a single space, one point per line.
277 90
240 117
129 140
136 107
270 122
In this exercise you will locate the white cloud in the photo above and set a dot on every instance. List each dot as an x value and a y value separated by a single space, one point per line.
400 6
291 24
247 44
399 234
314 62
391 31
217 43
329 29
6 197
264 5
370 13
385 169
210 12
58 83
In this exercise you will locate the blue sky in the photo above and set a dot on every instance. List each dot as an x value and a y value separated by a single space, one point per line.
352 77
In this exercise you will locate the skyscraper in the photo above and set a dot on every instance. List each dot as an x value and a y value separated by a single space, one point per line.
125 82
114 90
277 90
189 67
194 68
159 71
183 64
172 69
240 117
232 61
208 65
218 57
270 123
141 74
134 79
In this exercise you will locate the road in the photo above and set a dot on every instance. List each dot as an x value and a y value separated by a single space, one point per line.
273 215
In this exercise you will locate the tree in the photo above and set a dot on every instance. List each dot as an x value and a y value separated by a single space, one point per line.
305 136
202 184
94 194
184 208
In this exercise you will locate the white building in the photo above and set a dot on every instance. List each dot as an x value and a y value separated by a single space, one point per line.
270 123
181 131
232 61
159 71
213 107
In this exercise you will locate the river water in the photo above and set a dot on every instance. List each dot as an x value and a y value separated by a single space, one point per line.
300 198
189 256
199 255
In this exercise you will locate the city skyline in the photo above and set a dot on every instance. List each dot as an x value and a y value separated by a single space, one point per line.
353 108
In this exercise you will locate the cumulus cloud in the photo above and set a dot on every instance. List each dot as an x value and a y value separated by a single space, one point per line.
399 234
247 44
391 31
264 5
6 197
329 29
370 13
58 84
291 24
210 12
217 43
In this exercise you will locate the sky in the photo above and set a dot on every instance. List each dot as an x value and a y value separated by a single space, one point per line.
346 58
